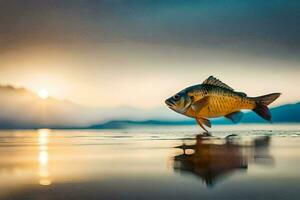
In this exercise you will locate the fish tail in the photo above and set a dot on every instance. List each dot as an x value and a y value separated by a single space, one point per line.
262 103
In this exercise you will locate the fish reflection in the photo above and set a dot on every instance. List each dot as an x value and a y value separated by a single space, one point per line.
213 158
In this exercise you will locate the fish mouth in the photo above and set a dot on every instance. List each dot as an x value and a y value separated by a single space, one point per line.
170 103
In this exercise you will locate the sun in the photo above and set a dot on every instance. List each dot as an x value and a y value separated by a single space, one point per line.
43 94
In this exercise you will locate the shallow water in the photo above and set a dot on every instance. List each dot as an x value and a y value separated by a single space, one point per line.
255 162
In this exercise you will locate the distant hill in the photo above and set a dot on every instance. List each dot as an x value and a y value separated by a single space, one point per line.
22 108
282 114
115 124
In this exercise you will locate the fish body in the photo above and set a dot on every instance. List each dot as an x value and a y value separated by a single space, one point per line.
214 98
221 101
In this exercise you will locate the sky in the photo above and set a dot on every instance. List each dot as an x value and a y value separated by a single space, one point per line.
139 52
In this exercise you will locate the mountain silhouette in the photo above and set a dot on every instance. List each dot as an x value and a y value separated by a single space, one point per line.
22 108
282 114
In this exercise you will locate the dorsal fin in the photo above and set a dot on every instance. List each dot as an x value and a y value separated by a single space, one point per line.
242 94
216 82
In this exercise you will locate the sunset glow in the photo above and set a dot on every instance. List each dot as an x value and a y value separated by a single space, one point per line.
43 94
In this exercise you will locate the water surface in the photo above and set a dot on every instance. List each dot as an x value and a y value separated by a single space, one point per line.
237 162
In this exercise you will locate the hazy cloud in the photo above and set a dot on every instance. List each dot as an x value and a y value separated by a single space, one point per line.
268 27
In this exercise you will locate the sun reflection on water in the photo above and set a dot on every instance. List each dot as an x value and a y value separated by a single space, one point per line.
43 158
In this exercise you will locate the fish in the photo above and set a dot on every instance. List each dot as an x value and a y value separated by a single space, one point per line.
213 99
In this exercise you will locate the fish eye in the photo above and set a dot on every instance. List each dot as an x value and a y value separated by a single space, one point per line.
192 98
176 97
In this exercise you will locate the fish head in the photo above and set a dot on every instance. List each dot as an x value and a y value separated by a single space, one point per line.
180 102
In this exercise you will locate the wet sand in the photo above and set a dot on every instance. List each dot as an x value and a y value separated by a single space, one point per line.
236 162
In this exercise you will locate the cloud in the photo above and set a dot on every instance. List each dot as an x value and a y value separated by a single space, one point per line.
269 27
118 52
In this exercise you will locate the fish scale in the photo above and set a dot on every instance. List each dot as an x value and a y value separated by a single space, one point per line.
222 102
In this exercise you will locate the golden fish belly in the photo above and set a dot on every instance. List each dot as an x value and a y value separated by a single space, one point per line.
223 105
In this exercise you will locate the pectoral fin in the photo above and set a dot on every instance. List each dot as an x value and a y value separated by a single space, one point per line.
200 124
200 104
205 121
235 117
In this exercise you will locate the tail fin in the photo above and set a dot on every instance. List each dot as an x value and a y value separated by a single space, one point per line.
267 99
262 103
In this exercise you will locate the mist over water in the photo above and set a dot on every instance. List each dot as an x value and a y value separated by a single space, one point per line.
236 162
